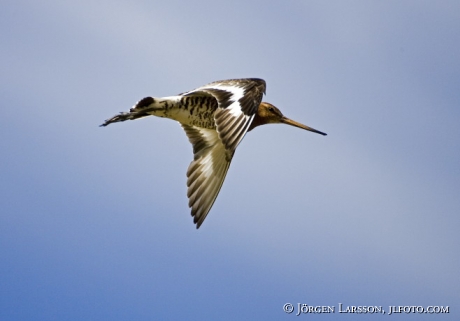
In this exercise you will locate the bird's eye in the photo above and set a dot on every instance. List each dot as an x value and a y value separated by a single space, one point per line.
271 109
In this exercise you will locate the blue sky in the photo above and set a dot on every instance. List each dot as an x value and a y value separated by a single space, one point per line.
94 222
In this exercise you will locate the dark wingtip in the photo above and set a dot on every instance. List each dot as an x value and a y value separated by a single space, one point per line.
198 223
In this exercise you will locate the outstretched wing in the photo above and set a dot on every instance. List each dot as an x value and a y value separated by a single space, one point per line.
206 172
238 100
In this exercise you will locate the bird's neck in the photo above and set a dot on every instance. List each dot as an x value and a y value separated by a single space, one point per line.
257 121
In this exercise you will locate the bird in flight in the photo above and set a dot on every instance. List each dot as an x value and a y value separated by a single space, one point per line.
215 118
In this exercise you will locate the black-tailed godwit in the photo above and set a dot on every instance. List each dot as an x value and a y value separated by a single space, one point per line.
215 118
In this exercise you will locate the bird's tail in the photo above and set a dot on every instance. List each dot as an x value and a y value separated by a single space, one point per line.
138 111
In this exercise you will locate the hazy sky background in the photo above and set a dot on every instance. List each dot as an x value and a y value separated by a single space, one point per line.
94 222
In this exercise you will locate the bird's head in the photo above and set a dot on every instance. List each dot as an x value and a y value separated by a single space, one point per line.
269 114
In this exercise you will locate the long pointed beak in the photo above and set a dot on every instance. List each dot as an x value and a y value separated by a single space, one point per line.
285 120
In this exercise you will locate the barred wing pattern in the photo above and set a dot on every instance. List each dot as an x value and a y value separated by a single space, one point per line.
213 150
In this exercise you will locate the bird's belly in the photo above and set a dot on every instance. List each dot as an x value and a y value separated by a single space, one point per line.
202 119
